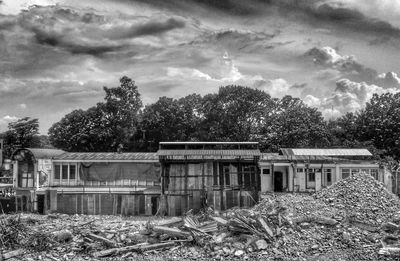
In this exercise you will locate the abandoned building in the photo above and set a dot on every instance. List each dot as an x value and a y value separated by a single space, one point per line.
31 173
188 175
300 170
220 174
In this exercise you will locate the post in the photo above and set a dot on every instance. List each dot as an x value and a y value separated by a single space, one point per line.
186 196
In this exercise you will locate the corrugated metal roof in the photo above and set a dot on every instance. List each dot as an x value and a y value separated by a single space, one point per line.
108 156
326 152
42 153
209 153
276 157
208 143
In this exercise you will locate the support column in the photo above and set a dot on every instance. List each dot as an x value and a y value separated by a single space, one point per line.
291 178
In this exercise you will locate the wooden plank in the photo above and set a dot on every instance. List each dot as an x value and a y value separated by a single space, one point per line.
139 248
174 232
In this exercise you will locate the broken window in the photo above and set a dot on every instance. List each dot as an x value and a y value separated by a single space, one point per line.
354 171
374 173
227 175
266 171
345 173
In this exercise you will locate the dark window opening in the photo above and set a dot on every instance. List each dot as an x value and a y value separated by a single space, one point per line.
227 176
72 171
266 171
57 171
329 177
64 172
311 177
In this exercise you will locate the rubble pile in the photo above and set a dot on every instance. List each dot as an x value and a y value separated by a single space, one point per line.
361 197
355 219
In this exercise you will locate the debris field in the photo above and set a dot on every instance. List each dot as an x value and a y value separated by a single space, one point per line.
354 219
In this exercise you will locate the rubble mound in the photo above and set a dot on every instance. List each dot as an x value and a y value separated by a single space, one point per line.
361 197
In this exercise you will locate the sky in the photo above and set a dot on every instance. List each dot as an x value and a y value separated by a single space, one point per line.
56 55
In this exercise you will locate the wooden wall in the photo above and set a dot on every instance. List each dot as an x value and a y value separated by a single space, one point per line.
107 204
195 185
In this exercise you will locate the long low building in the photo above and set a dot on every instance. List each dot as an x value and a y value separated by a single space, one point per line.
179 177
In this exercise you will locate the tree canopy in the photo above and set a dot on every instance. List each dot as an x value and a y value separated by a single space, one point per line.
234 113
22 133
107 126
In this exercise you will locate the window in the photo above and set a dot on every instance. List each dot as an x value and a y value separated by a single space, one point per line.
318 170
345 173
57 171
328 175
64 172
365 171
72 171
266 171
227 175
215 174
311 177
354 171
300 170
375 173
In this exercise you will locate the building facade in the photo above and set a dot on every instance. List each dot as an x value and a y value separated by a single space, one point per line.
181 176
217 174
302 170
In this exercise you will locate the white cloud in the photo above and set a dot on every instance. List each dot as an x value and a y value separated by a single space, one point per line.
22 105
276 88
187 73
349 96
388 80
5 120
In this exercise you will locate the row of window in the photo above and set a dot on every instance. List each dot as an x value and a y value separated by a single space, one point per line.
65 172
246 177
346 172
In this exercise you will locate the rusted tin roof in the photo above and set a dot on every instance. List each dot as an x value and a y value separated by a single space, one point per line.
201 152
40 153
276 157
208 143
326 152
107 156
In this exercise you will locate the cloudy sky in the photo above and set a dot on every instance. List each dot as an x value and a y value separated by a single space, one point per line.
56 55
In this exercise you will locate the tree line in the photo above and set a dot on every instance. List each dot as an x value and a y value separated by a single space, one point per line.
234 113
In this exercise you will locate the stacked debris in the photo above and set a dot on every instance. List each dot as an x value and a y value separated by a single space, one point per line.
361 197
355 219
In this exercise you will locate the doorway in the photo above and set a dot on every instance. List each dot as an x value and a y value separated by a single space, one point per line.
154 205
40 204
278 181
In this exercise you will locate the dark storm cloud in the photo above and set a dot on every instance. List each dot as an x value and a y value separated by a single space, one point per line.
6 22
80 32
149 28
348 66
323 10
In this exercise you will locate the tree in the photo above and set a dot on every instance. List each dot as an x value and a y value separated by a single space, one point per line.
171 119
22 133
104 127
235 113
379 123
291 124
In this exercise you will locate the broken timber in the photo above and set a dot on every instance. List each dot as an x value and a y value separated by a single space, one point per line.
138 248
